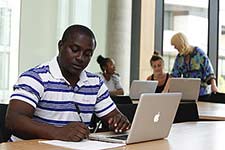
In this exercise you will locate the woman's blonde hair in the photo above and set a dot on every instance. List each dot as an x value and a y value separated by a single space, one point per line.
179 40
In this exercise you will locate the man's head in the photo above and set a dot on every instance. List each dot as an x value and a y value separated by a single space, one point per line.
75 49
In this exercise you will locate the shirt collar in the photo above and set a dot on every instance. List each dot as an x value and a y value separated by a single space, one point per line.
55 69
57 74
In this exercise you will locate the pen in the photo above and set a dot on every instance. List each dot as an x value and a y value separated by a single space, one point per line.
78 111
97 126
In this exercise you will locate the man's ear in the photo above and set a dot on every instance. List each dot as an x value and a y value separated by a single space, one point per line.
60 44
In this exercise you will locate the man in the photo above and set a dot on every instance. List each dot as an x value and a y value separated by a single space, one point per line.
56 100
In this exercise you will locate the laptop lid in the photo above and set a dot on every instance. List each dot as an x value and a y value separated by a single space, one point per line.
189 87
152 120
139 87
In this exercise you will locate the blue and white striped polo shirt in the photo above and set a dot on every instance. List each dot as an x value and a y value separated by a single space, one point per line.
51 95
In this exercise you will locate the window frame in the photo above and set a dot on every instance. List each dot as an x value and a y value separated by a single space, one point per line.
13 51
213 30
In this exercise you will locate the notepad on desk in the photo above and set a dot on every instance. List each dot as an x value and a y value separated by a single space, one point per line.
83 145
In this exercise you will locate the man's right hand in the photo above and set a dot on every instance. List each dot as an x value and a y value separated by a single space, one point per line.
75 131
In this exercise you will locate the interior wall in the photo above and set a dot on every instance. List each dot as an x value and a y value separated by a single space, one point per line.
38 41
38 34
40 31
99 26
147 37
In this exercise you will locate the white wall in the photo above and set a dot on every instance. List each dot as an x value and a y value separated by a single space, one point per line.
99 26
39 32
38 41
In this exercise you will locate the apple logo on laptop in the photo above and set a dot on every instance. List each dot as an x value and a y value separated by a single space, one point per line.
156 117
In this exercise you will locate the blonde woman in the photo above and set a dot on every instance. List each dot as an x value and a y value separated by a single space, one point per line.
192 62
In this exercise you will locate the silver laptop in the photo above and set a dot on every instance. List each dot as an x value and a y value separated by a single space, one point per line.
153 119
139 87
189 87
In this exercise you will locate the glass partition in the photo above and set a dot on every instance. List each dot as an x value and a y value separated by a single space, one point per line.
189 17
9 39
221 56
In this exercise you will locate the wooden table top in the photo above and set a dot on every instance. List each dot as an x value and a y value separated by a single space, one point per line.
211 111
185 136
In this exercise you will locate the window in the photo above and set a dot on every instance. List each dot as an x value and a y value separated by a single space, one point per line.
189 17
5 24
221 61
9 39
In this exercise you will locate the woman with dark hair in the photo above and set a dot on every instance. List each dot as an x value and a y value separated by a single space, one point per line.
109 76
157 65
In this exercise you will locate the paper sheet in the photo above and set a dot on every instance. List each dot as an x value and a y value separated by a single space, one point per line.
83 145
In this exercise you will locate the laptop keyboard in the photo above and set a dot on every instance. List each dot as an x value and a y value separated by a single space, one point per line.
187 100
120 137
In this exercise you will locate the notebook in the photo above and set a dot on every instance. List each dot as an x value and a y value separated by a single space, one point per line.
152 120
189 87
142 86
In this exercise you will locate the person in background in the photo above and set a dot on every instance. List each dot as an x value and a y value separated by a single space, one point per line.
109 76
56 100
157 65
192 62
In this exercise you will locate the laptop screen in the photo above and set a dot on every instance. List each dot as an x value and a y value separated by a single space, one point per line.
139 87
189 87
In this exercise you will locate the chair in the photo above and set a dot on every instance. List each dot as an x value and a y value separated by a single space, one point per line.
121 99
4 133
128 110
187 111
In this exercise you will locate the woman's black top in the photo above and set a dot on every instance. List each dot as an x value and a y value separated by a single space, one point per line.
159 89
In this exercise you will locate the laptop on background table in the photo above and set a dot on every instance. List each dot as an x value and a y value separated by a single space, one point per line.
189 87
152 120
139 87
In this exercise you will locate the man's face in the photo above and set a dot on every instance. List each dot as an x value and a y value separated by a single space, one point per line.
75 53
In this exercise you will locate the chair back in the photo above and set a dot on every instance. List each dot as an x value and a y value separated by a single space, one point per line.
127 109
4 133
187 111
213 97
121 99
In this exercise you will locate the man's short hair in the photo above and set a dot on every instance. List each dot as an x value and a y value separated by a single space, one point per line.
78 28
